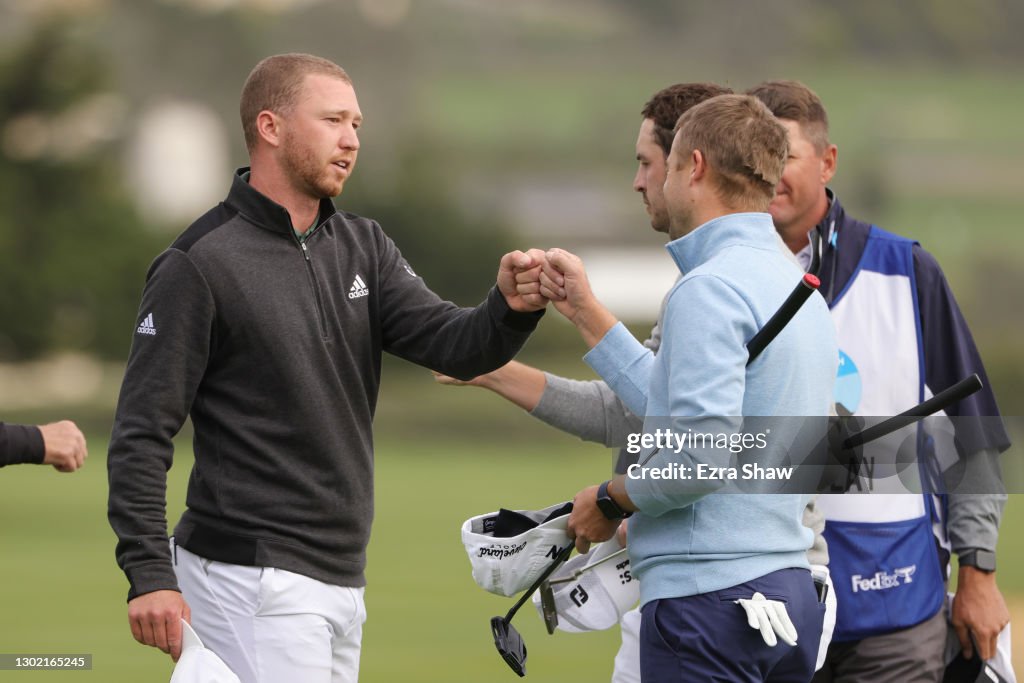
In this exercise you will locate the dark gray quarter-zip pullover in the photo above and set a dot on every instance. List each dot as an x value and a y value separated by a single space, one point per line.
274 349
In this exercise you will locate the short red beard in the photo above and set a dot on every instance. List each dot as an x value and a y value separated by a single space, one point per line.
308 172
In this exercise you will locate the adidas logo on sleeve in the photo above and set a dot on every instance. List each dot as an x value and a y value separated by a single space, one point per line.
147 326
358 289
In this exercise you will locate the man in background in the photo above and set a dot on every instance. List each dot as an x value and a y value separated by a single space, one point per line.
888 284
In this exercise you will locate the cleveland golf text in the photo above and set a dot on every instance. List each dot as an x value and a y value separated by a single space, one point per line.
501 551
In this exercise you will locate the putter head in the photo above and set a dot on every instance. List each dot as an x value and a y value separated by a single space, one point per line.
510 644
506 638
547 607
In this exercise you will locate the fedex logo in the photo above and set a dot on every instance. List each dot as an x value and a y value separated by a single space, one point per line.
883 580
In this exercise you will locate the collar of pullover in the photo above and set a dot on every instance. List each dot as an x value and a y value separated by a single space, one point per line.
751 229
833 217
263 210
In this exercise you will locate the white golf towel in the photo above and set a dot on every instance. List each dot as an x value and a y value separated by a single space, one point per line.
197 664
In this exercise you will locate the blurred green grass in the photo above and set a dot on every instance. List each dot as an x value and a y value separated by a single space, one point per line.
428 622
62 591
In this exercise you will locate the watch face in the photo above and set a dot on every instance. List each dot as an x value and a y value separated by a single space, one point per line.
985 560
608 508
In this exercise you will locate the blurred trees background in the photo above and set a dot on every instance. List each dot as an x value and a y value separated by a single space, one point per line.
72 245
489 125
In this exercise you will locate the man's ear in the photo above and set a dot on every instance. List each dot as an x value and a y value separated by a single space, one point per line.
700 166
828 163
268 127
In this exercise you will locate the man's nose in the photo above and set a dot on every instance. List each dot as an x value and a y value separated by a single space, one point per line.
349 140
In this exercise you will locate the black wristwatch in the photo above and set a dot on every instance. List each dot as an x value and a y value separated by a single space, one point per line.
609 508
983 560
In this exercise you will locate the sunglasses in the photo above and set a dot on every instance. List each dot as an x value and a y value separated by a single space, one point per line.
507 639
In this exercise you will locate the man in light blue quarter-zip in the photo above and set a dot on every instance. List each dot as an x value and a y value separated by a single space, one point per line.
697 549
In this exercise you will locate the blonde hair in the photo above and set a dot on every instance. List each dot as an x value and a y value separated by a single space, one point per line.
274 85
744 145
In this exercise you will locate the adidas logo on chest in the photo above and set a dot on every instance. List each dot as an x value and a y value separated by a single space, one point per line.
358 289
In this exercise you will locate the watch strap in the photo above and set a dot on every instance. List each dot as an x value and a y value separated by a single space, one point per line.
984 560
609 508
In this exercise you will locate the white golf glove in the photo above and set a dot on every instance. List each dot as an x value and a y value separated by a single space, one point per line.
770 618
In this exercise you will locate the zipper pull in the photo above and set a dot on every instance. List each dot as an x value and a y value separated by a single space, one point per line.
305 251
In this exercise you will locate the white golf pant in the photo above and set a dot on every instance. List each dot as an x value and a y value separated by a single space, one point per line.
270 625
829 625
627 660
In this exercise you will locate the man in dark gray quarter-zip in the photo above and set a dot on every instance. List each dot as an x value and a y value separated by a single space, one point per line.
265 322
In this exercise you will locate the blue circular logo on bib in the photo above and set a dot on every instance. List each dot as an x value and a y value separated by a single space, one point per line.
848 386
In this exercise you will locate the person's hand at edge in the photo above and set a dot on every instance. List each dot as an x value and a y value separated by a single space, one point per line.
65 446
155 620
978 608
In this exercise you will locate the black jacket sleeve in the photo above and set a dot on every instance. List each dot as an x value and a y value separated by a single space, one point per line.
419 326
167 361
21 444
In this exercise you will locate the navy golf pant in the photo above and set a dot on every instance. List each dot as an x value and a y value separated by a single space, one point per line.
707 638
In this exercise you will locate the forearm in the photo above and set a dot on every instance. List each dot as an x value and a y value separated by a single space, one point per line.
460 342
698 389
974 521
617 490
137 465
587 409
593 321
516 382
625 364
672 474
20 444
141 453
974 517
